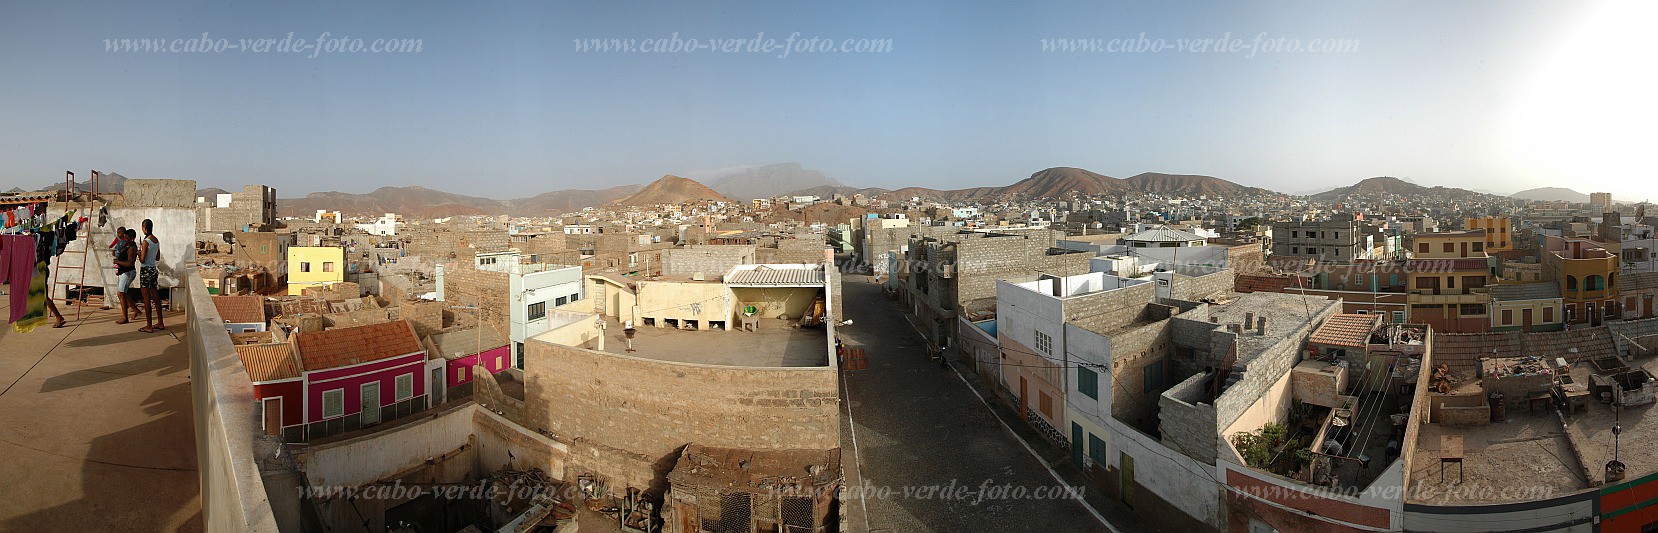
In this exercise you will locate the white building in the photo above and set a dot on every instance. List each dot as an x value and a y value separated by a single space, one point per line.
1032 328
385 225
535 288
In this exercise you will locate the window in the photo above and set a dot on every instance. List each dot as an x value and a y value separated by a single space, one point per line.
1479 246
1044 343
305 267
1595 283
1422 248
328 266
1571 283
1088 382
405 387
1154 377
333 403
264 248
1548 314
1338 235
538 310
1508 317
1295 234
1295 250
1398 317
460 374
561 301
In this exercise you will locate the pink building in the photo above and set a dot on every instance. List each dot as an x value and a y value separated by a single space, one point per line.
462 350
359 376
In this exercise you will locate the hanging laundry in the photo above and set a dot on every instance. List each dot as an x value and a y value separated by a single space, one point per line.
34 313
5 257
21 252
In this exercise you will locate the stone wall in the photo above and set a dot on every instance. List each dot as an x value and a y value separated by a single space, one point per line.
639 413
1186 425
486 289
1198 287
711 261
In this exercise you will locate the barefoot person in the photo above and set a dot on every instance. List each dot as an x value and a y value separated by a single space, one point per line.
114 248
125 271
149 253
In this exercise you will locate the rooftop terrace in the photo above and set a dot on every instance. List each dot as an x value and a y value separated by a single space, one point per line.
773 343
95 417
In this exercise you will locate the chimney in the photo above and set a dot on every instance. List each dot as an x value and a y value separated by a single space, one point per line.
1261 325
1234 328
1213 319
1249 320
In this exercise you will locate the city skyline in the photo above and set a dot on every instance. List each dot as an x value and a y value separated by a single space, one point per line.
959 97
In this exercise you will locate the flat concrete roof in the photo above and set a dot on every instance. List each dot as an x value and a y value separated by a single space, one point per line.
776 343
96 429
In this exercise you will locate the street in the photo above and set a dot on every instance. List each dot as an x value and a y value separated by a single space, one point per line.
926 454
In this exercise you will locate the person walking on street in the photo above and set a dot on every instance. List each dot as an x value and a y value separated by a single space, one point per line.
149 253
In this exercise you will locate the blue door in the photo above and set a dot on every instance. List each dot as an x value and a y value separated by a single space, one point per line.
1076 445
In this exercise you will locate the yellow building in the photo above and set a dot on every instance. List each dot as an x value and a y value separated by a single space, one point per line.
1448 274
1499 232
1533 306
1588 277
314 266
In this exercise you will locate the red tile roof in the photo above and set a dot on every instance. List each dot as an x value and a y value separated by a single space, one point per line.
241 309
268 362
1346 330
339 347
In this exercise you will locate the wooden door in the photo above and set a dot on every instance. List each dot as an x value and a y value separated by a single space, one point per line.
273 416
371 403
1525 319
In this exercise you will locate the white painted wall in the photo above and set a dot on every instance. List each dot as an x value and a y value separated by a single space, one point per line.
1175 478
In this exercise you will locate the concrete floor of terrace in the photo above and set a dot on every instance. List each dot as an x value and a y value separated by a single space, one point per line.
96 432
1537 456
775 343
916 426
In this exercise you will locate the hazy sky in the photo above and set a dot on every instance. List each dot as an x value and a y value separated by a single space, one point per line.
500 102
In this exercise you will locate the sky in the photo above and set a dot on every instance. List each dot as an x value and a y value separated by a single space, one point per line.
501 101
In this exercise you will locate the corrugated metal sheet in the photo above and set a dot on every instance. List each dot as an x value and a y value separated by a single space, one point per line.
776 277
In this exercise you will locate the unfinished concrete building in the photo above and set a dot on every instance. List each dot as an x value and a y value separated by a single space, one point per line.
955 274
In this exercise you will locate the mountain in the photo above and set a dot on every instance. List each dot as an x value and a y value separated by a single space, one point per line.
107 182
1061 182
423 202
1383 186
211 193
671 189
829 191
1188 185
1552 194
559 202
765 181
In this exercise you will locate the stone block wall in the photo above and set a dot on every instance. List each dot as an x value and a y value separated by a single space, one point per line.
711 260
1199 287
636 412
483 288
1187 426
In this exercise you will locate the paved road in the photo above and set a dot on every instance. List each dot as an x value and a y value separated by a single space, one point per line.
915 426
